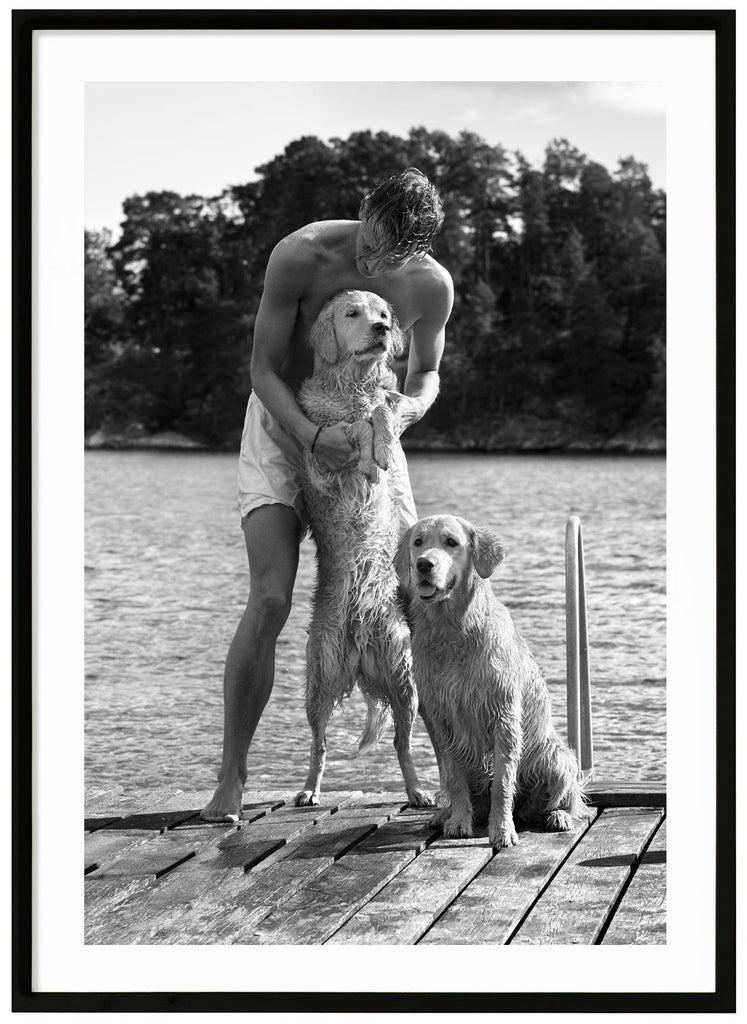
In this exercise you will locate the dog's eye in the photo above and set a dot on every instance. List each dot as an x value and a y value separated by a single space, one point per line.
417 543
452 543
352 312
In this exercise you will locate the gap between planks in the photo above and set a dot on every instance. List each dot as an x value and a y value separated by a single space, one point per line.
282 914
126 912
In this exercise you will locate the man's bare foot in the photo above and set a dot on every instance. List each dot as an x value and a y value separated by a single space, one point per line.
225 804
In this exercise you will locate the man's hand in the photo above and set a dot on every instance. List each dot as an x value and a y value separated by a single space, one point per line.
333 449
406 410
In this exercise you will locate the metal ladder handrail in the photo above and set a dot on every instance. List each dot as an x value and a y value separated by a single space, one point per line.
578 688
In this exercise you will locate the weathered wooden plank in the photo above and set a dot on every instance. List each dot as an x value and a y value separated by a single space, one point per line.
142 911
381 798
151 821
197 824
160 821
605 793
169 811
129 917
102 897
123 803
95 793
278 829
363 813
104 850
401 912
264 805
169 900
102 798
109 845
374 804
139 813
156 857
95 823
574 908
102 847
300 813
228 915
262 798
322 906
492 905
250 813
421 814
223 846
641 919
208 908
117 803
624 785
218 869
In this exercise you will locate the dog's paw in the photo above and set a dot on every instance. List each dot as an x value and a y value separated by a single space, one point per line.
559 821
442 815
421 798
306 797
458 828
360 435
384 435
501 836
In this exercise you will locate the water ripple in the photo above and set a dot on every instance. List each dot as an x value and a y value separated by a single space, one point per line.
166 583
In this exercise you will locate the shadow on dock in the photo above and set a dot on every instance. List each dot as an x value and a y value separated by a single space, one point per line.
363 868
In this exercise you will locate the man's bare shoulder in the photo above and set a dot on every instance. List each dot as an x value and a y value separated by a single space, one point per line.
433 281
437 274
314 240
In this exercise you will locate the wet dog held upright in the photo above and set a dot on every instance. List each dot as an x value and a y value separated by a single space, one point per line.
358 633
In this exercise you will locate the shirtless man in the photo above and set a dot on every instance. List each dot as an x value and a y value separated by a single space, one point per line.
385 251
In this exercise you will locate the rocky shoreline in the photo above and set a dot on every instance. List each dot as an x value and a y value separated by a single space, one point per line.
167 440
546 439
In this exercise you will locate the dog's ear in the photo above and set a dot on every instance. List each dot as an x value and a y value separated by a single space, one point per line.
402 559
322 338
398 336
487 551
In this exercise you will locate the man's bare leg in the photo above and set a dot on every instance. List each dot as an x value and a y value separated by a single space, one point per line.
272 538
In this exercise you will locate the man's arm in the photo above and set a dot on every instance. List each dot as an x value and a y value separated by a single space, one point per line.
426 349
273 330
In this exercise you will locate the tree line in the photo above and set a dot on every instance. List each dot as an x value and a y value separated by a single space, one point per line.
558 328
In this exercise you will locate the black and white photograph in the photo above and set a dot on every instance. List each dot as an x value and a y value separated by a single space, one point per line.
381 579
445 305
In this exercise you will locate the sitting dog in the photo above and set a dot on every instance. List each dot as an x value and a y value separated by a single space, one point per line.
358 632
481 692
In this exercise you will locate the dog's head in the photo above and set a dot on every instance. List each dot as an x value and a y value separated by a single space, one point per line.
440 555
357 330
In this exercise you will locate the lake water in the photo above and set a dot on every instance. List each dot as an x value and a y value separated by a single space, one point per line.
167 579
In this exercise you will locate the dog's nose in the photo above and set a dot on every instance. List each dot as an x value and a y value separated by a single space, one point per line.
424 564
381 328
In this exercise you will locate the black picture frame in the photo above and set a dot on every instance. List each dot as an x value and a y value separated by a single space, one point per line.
723 999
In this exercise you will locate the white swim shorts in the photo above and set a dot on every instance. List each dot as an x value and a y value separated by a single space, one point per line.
270 465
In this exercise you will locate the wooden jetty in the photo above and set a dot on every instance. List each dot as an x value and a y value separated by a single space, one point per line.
363 868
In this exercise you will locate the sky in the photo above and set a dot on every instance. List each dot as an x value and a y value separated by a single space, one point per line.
200 138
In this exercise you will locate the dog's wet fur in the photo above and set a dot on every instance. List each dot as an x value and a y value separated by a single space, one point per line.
480 689
358 633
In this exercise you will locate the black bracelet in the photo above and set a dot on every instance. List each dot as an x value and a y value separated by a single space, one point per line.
316 437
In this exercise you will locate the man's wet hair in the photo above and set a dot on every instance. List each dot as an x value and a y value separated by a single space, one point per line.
408 214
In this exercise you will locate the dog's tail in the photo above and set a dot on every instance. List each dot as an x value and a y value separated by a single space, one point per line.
566 789
551 782
378 720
